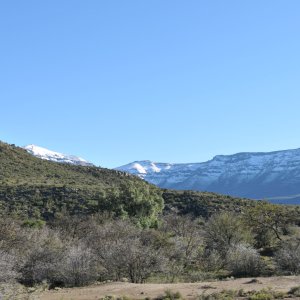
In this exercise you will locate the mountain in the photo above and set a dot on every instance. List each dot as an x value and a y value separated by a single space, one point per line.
46 154
260 175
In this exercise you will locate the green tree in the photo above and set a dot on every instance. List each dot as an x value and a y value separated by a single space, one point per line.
268 223
224 231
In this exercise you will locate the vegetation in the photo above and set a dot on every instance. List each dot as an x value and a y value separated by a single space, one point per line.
39 189
72 225
295 291
203 204
75 251
265 294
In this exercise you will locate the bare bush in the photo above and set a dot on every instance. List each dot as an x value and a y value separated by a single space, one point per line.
124 251
8 267
211 261
79 266
12 235
288 256
243 260
186 236
43 259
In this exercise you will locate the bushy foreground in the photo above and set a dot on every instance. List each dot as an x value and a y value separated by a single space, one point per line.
76 251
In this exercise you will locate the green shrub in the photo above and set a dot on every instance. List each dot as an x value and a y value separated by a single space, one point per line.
34 223
266 294
169 295
223 295
261 296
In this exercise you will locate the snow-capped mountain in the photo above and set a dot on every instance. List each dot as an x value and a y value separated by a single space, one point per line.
270 175
46 154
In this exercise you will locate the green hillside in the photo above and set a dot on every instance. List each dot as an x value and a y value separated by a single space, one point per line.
203 204
37 188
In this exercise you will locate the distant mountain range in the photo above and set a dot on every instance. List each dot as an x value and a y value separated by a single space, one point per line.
272 175
257 175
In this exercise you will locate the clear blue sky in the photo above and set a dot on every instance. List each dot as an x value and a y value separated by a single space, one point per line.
165 80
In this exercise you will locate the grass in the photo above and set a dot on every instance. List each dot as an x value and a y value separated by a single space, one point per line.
264 294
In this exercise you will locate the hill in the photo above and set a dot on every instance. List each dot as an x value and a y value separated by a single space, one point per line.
37 188
203 204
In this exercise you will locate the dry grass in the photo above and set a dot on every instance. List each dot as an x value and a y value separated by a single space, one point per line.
187 290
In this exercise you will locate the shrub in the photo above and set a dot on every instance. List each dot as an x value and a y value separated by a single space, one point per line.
126 251
63 263
295 291
43 259
243 260
225 230
212 261
223 295
8 267
288 256
79 266
266 294
261 296
169 295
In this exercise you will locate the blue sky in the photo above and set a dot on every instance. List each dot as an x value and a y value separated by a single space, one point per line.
165 80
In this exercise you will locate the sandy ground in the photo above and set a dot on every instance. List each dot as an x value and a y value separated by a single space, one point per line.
187 290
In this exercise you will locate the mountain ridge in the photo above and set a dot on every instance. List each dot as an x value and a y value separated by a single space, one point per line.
256 175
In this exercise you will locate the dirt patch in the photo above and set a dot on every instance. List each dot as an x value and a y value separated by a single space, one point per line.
187 290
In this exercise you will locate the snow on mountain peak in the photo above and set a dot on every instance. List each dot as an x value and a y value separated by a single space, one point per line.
46 154
139 168
144 168
257 175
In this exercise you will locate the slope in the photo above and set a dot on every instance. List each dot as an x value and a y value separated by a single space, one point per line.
38 188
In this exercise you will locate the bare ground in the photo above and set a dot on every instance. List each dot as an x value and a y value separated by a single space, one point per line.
187 290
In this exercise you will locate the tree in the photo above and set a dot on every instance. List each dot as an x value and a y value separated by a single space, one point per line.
79 266
43 257
225 230
186 241
124 251
268 223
